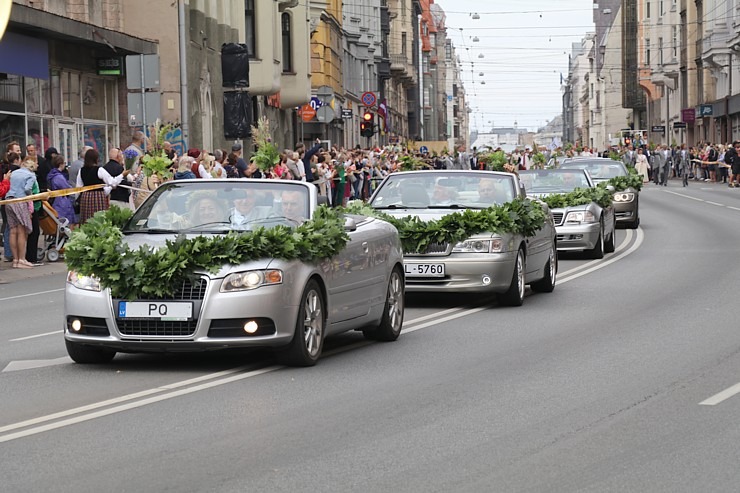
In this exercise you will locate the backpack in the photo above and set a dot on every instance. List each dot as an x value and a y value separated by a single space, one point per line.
712 155
195 170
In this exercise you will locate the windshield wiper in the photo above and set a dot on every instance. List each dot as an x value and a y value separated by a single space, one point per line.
150 230
455 206
399 206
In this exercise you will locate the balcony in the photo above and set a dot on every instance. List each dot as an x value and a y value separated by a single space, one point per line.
399 64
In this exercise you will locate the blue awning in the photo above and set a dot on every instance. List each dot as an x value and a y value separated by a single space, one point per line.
23 55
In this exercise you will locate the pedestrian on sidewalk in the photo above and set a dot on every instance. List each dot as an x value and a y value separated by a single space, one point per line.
64 206
641 166
22 182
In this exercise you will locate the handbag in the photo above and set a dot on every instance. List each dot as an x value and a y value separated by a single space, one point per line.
76 204
352 177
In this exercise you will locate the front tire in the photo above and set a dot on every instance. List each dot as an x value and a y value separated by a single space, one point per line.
547 283
598 250
308 339
88 355
514 296
610 245
390 325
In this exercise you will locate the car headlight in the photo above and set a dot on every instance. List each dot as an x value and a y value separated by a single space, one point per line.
581 217
251 279
495 245
624 197
88 283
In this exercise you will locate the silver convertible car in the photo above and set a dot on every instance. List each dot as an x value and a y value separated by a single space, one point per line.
490 262
588 227
626 202
287 305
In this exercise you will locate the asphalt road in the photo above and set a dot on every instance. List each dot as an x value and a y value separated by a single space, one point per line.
612 383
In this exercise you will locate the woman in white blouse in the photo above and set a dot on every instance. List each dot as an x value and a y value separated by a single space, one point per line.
96 200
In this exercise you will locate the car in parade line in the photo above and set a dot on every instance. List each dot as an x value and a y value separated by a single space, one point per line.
626 202
287 305
490 262
588 227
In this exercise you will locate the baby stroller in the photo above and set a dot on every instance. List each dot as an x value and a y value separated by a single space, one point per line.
55 230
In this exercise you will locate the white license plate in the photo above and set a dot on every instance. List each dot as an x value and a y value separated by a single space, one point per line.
424 270
155 309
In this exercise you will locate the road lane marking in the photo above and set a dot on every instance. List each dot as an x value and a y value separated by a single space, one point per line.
722 396
684 195
433 315
31 294
32 364
117 400
630 251
37 335
733 208
714 203
136 404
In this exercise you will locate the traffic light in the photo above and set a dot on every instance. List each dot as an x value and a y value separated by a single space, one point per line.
367 126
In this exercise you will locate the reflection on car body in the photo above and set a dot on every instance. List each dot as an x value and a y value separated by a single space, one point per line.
486 263
288 305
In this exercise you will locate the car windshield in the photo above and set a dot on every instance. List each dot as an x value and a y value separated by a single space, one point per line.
553 181
599 171
444 190
219 206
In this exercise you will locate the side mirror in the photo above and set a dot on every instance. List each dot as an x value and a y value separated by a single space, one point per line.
611 188
349 224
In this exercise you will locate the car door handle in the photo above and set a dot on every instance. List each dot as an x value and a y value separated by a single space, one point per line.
364 247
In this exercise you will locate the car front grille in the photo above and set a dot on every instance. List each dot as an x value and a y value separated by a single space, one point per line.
557 218
190 289
156 328
435 250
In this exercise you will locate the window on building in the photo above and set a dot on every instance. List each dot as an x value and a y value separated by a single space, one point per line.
403 43
660 8
675 42
286 39
647 51
660 51
647 10
251 39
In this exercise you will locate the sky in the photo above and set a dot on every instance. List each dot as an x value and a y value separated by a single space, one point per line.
525 46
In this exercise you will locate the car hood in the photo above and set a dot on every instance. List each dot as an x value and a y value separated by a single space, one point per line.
157 241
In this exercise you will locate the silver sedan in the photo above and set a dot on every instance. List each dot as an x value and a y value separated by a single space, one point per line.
287 305
626 202
587 227
491 262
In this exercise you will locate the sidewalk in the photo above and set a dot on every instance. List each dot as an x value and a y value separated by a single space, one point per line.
9 275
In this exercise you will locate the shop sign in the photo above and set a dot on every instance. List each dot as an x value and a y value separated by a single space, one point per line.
659 129
705 110
109 66
678 125
688 115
